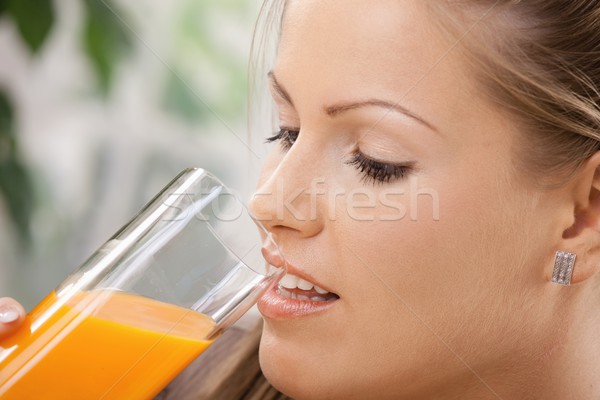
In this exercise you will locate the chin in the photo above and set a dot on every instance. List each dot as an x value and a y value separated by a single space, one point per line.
277 366
307 368
290 372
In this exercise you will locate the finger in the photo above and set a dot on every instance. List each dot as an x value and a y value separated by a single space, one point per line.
12 315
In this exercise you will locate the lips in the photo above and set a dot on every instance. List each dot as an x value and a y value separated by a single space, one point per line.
296 295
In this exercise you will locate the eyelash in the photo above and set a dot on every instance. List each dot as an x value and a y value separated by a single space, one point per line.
373 171
377 171
286 137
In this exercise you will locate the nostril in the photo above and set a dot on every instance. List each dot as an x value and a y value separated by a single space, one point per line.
273 256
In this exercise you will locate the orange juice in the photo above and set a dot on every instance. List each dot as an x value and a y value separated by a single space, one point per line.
101 344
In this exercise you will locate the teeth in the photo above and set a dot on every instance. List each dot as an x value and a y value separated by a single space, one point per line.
295 296
320 290
290 281
304 285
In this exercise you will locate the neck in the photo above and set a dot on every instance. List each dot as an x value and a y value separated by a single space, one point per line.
568 367
574 372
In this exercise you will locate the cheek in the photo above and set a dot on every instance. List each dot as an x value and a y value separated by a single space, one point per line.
448 264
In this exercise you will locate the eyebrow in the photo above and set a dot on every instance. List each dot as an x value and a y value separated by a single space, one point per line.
340 108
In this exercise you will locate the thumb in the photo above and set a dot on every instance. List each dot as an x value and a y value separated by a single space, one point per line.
12 315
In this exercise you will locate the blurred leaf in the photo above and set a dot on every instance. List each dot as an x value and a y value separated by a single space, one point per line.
6 120
34 19
199 42
17 189
15 183
3 4
105 39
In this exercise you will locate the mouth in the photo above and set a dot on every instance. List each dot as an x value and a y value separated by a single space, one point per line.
296 288
295 296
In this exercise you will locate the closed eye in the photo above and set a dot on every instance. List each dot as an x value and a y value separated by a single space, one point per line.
286 137
372 170
376 171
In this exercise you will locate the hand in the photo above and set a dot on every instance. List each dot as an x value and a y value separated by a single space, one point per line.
12 315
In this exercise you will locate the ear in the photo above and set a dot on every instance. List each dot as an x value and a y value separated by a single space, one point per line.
583 236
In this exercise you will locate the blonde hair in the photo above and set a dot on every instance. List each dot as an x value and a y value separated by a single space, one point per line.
540 60
263 52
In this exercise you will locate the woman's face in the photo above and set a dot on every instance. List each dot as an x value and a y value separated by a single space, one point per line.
399 195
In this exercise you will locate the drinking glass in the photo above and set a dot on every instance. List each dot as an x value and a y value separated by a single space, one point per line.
147 302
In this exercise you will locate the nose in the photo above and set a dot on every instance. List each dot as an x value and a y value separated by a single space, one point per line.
290 196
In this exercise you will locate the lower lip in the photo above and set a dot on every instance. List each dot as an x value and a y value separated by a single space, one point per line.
273 305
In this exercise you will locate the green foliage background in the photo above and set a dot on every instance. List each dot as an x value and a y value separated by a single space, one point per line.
104 41
107 39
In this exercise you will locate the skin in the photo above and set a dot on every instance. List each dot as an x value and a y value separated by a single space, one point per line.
459 306
12 315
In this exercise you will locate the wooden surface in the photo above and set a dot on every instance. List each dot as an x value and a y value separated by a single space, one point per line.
228 370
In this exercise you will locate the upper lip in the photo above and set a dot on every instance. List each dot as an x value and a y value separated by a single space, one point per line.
277 260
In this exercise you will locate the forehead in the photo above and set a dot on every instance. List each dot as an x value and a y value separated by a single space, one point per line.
339 49
354 24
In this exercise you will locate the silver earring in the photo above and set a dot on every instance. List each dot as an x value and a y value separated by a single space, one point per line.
563 267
